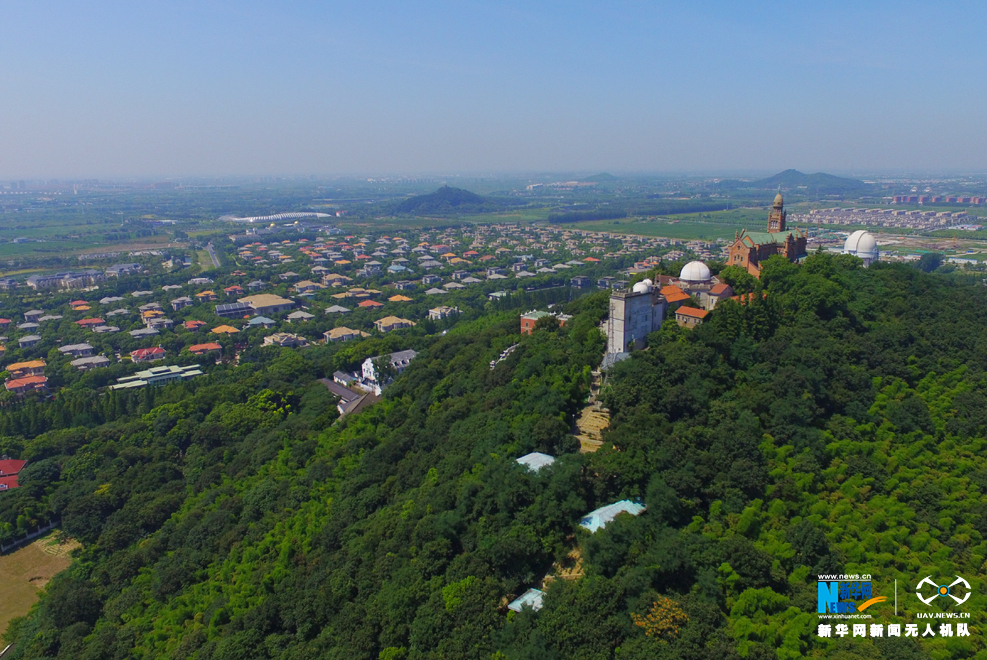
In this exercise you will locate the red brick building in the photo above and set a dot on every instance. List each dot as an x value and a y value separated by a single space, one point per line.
750 249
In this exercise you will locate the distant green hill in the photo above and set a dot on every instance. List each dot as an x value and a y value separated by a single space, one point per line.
603 177
794 179
819 183
447 200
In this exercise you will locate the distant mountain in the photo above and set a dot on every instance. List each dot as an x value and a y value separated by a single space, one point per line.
815 182
447 200
603 177
792 180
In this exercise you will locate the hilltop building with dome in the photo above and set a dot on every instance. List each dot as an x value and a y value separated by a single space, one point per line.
637 312
750 249
862 244
634 314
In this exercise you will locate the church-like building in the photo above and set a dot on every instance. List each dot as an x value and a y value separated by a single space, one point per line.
749 249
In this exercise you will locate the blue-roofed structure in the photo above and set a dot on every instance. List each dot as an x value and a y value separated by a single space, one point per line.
599 518
536 461
261 321
531 598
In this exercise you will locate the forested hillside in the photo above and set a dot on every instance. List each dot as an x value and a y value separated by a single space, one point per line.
835 423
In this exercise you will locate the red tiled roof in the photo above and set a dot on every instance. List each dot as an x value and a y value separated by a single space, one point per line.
11 466
14 383
210 346
141 353
691 311
720 289
370 303
85 322
8 482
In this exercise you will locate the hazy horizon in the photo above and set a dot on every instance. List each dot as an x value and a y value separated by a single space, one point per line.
217 89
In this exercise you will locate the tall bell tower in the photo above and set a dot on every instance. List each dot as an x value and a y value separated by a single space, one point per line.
776 219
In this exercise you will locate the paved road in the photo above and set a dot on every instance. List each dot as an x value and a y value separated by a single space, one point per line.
212 254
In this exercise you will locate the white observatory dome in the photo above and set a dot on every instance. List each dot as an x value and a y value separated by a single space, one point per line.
642 287
862 244
695 271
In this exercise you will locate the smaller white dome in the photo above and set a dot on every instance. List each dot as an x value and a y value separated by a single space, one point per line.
642 287
695 271
648 282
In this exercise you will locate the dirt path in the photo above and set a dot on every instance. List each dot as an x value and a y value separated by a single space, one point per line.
592 420
26 571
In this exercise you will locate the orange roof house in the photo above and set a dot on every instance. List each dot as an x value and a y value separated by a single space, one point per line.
688 317
202 349
399 299
29 368
194 325
90 323
224 330
26 384
370 303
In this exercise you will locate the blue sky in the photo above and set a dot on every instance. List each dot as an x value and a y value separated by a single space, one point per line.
225 88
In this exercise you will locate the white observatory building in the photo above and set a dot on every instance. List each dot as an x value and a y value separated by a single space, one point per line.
862 244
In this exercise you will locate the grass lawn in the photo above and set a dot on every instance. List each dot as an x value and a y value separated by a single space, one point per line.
25 571
204 260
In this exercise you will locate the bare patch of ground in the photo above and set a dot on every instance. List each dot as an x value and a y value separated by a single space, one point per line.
25 571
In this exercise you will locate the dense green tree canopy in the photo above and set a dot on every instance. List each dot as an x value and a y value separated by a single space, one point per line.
836 423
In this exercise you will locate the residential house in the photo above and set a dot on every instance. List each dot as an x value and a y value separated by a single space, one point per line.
441 312
207 296
389 323
181 303
148 354
399 361
431 279
87 363
529 320
76 350
28 341
202 349
27 384
237 310
285 340
342 334
268 304
299 317
29 368
9 469
261 322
